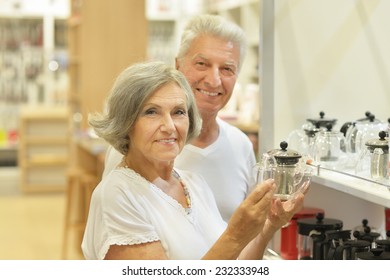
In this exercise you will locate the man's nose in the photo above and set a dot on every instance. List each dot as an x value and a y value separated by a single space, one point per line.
213 77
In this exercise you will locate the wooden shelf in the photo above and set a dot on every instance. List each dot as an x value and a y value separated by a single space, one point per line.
39 188
46 161
46 140
44 148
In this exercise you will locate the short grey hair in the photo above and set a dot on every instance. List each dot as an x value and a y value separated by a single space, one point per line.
212 25
135 85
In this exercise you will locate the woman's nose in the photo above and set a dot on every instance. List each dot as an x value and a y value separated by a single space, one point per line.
167 124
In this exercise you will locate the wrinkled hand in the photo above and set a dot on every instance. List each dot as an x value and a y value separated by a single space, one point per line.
282 212
249 218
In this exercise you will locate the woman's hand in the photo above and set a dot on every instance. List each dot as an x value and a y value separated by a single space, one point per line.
282 212
249 218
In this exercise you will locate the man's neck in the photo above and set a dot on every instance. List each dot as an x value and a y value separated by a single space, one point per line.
209 133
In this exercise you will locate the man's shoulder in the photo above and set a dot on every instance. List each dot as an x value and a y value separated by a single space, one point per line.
231 129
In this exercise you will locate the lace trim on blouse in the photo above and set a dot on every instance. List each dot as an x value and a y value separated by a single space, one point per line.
137 177
126 240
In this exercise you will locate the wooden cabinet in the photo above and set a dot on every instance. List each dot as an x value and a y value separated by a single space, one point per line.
104 37
43 148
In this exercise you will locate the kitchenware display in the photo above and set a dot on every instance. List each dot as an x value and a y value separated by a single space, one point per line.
322 121
289 236
303 139
358 134
347 126
312 241
384 243
373 159
388 138
337 249
329 149
351 248
374 254
287 167
366 232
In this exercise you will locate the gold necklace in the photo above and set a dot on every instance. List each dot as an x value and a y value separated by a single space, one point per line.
183 185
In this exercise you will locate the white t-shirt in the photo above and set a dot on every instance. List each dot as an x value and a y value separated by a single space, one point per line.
227 165
127 209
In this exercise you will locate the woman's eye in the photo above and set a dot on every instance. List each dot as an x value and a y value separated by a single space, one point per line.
150 112
181 112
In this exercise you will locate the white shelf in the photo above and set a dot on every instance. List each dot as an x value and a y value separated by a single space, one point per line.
359 187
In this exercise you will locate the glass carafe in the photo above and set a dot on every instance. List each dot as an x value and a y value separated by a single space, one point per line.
329 149
286 167
373 159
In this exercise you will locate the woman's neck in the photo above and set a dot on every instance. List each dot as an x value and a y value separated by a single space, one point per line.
149 170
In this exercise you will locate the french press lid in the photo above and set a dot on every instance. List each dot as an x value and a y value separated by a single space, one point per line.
384 243
322 121
382 143
374 254
320 223
284 156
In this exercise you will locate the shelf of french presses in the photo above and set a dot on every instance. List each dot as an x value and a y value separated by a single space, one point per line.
321 238
354 159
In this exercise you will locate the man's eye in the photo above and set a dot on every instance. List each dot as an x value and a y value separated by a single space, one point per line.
201 63
229 69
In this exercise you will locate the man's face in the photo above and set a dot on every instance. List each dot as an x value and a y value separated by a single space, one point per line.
211 68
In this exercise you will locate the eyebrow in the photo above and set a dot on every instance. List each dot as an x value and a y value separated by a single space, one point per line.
227 63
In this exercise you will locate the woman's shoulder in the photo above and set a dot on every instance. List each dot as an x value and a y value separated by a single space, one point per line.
121 179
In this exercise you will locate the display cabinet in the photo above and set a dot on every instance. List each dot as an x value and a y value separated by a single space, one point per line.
33 61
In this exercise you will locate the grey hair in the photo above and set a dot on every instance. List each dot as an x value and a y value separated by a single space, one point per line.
213 25
135 85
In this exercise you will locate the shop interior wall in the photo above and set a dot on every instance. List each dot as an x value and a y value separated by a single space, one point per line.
330 56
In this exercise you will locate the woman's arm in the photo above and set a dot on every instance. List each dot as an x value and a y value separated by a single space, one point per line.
144 251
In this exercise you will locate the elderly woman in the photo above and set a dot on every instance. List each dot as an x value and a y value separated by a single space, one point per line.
147 209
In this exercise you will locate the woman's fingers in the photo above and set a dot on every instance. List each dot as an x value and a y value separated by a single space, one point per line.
261 190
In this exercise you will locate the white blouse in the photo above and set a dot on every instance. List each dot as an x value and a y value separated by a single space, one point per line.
126 209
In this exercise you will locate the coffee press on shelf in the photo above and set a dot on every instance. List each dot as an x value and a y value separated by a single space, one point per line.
329 148
322 121
367 233
374 158
289 233
312 241
344 248
384 243
303 139
373 254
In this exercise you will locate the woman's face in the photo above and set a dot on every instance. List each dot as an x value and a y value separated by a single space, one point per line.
160 131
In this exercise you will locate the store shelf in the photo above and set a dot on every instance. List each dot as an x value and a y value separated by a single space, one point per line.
44 148
46 160
43 140
375 192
